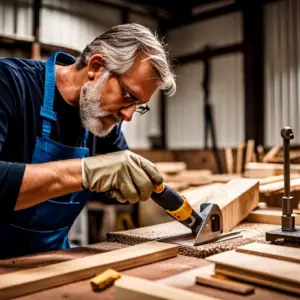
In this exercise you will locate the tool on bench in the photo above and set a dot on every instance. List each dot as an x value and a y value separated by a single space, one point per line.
288 232
206 227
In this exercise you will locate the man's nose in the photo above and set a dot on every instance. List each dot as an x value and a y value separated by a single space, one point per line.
128 112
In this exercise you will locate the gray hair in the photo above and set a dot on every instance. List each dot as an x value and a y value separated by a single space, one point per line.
120 46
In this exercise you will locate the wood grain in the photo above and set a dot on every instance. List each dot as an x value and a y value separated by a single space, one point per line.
133 288
265 271
236 200
272 251
249 151
28 281
229 160
240 158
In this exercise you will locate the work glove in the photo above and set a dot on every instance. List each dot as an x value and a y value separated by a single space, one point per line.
127 175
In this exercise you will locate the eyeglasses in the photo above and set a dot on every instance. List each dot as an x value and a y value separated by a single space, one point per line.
141 109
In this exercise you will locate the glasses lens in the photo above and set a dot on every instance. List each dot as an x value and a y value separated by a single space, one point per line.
142 109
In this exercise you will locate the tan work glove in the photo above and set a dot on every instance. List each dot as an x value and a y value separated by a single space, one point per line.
129 176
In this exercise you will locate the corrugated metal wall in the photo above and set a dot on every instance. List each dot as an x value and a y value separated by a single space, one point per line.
70 23
185 109
282 69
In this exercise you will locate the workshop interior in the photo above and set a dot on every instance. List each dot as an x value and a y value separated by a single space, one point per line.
225 221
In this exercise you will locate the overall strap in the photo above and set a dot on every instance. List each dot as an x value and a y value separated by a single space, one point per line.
49 91
85 138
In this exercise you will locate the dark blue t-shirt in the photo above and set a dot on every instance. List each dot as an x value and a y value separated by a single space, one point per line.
21 97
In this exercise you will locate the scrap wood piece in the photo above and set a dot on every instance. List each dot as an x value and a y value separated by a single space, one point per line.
272 251
249 151
177 185
193 177
131 288
171 167
271 154
277 187
206 276
271 215
278 274
229 160
24 282
240 158
260 152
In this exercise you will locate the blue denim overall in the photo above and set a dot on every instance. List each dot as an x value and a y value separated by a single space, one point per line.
45 226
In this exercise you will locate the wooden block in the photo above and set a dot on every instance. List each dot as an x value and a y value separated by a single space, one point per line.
270 155
249 151
104 280
240 158
236 199
131 288
260 152
272 179
171 167
37 279
270 216
229 160
268 272
208 277
272 251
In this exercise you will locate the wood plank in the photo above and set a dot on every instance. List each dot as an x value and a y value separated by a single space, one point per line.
277 187
249 151
272 179
240 158
171 167
272 153
278 274
270 216
229 160
272 251
206 276
236 200
224 178
260 152
28 281
131 288
193 177
260 170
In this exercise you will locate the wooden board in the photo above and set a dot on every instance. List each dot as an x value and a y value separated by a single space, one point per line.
206 276
277 187
229 160
224 178
272 179
260 170
28 281
192 177
270 216
272 251
236 199
249 151
265 271
240 158
133 288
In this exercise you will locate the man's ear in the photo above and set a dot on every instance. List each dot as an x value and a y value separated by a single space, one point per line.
95 65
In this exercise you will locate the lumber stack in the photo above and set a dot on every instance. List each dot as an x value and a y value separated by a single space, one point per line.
248 263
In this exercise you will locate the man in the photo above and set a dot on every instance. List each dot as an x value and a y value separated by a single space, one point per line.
61 139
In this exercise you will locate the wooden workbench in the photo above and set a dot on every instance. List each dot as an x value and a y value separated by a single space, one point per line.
159 271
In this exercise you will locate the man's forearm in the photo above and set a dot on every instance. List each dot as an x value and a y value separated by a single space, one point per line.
45 181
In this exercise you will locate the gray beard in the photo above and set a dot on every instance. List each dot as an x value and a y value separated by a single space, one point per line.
91 111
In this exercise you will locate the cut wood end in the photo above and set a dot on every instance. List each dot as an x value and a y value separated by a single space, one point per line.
104 280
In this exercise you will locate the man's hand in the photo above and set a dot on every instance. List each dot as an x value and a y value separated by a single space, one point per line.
129 176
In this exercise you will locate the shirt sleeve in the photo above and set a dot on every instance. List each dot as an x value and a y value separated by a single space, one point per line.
11 173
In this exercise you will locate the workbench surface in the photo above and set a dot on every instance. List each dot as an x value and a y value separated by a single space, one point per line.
157 271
